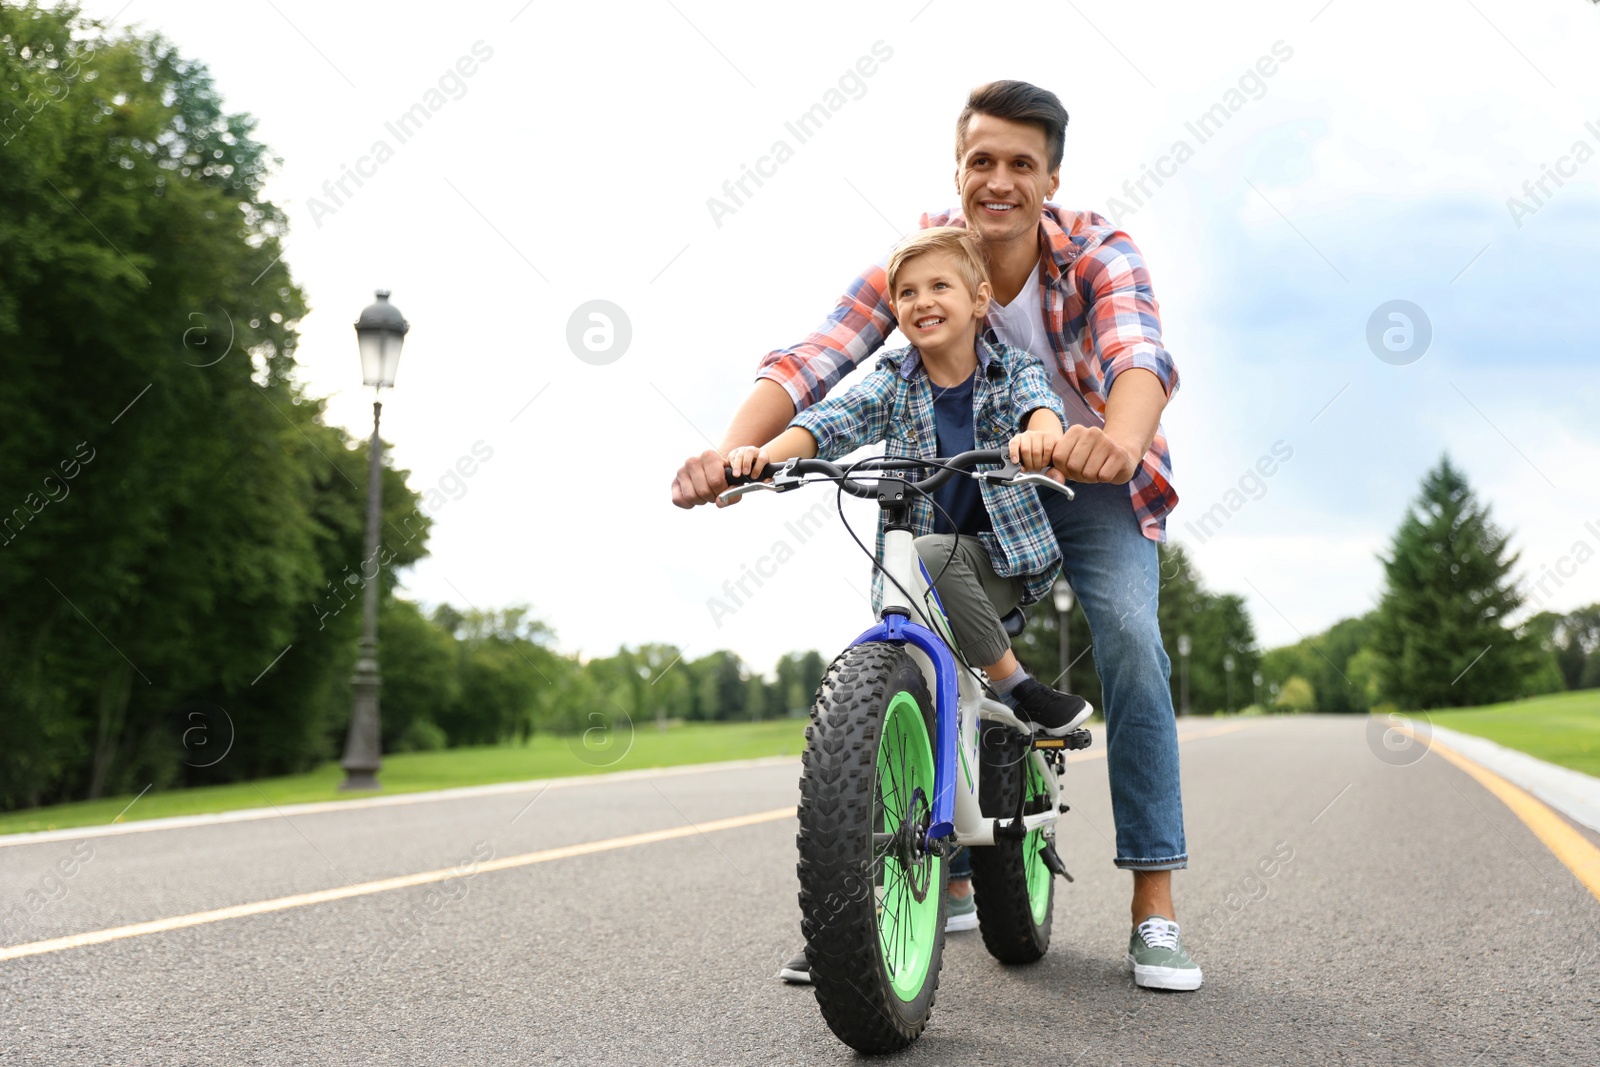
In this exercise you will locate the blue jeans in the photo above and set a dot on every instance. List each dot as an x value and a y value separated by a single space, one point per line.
1115 572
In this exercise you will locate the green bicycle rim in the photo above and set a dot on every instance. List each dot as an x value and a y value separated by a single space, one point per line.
906 926
1037 875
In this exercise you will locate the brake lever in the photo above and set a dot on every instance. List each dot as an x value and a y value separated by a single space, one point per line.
1012 474
1002 476
728 496
1033 478
781 482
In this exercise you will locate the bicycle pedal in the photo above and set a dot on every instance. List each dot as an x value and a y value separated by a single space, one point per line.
1077 739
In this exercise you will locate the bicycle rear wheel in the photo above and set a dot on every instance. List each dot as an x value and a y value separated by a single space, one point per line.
1014 888
872 898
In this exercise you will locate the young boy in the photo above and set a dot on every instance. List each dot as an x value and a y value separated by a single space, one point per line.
988 548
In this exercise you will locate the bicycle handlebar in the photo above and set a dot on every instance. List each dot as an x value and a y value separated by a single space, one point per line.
944 470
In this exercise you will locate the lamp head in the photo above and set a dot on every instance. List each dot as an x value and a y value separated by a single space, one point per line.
1061 593
380 334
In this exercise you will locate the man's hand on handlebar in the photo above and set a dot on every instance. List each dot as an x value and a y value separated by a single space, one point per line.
1088 454
700 479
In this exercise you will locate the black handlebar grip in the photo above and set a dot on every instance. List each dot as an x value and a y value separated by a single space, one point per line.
744 479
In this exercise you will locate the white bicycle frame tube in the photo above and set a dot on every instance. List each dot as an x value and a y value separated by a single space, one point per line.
903 570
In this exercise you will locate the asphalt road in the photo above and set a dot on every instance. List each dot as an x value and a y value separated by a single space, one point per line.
1417 922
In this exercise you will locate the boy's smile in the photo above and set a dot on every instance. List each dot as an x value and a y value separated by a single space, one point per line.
938 312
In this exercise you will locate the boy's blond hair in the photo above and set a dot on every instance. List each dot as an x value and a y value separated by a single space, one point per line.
956 241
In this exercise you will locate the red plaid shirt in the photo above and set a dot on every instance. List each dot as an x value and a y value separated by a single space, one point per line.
1098 309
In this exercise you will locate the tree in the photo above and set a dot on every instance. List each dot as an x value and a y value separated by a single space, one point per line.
1218 627
421 677
1332 664
798 675
1295 696
1571 639
719 687
180 527
1441 625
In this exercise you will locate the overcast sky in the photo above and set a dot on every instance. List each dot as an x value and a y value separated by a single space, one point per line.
570 151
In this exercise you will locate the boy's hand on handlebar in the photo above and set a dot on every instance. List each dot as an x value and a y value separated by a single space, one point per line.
700 479
1032 449
748 461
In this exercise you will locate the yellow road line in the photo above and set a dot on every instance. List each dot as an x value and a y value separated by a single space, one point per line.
384 885
1569 846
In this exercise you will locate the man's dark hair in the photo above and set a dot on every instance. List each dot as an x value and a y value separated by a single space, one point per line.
1017 102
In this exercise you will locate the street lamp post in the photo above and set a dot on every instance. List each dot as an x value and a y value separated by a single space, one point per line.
1061 593
1184 645
1227 666
380 334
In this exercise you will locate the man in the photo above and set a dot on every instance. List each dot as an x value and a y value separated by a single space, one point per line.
1073 290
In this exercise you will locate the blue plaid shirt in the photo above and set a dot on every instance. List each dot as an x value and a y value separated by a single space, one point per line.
894 404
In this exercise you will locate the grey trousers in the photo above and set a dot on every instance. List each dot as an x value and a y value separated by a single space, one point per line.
973 595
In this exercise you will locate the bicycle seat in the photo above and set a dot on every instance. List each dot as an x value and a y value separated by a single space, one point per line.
1015 622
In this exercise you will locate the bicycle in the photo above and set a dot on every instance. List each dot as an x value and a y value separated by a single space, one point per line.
895 777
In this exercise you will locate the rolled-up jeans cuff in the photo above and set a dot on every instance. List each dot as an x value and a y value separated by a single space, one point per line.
961 864
1175 863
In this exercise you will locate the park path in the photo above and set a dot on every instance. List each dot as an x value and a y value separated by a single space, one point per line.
1415 920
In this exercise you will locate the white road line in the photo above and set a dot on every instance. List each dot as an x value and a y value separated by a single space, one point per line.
384 885
179 822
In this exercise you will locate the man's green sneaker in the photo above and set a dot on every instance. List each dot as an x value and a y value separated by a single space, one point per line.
1158 959
961 913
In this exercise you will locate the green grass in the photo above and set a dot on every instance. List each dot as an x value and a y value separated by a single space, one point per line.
415 772
1562 728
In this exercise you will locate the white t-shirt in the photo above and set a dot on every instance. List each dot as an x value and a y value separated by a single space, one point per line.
1021 325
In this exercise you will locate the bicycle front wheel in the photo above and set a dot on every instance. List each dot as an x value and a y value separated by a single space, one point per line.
872 897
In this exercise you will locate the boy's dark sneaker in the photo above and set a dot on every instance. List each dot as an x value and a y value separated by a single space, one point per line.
797 971
1050 713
